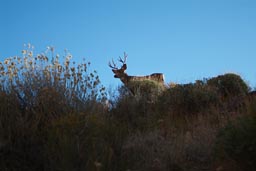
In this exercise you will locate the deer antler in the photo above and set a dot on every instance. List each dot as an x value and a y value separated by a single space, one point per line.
123 61
112 65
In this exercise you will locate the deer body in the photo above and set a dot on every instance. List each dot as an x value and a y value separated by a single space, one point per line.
158 77
127 79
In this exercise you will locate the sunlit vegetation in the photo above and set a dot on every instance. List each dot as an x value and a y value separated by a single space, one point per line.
56 115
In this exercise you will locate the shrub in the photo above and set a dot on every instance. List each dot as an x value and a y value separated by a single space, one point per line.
20 148
147 90
150 151
229 85
77 142
188 99
136 112
237 141
35 93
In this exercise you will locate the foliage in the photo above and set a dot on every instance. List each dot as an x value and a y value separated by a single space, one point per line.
150 151
31 74
136 111
133 112
180 127
237 141
189 98
35 93
79 142
54 116
229 85
147 89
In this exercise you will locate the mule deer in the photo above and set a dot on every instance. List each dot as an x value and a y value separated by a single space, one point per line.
126 79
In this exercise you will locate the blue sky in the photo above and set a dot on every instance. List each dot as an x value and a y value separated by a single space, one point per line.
184 39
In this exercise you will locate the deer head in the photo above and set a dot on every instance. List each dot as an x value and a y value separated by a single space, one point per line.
120 72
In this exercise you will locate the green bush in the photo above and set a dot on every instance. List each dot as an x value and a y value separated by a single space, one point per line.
146 89
229 85
237 141
188 99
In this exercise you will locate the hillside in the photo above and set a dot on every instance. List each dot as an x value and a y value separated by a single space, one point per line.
57 116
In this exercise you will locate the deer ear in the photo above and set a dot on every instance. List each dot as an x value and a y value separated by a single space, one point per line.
124 67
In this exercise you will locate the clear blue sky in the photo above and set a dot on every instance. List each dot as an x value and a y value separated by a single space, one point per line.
184 39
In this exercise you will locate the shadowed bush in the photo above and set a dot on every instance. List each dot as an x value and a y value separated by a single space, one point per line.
54 116
237 142
147 90
138 111
79 142
229 85
36 92
188 99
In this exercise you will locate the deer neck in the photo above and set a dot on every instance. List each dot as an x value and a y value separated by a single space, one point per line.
125 78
